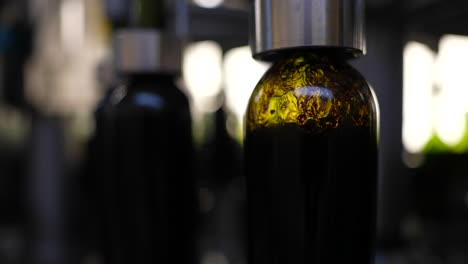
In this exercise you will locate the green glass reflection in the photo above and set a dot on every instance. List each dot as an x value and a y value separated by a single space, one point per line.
317 92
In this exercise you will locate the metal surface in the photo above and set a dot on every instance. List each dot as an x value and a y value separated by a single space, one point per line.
146 50
286 24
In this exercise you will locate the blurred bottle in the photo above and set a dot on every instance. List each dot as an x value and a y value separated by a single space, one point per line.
143 178
221 193
16 42
140 184
218 158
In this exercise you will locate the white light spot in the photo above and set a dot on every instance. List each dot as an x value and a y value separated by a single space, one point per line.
419 65
451 104
202 72
208 3
72 24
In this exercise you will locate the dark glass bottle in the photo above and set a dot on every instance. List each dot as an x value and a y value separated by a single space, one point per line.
148 199
311 162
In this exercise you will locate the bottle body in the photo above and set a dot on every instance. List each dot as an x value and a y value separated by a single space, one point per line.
147 195
311 163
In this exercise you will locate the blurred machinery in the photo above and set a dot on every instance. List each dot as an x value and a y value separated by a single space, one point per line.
423 181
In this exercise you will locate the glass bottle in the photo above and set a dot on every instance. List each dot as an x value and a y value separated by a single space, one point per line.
148 207
310 142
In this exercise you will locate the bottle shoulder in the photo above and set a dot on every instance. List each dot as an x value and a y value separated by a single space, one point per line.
311 91
154 97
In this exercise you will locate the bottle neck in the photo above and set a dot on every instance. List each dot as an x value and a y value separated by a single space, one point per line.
143 81
326 53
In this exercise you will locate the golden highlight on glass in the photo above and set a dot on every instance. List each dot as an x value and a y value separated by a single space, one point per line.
313 92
